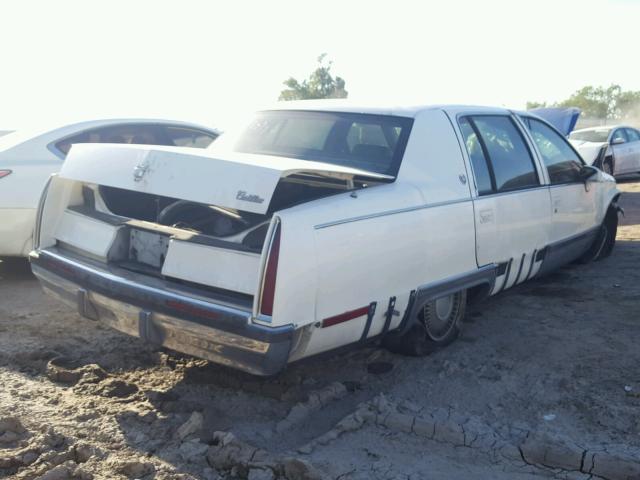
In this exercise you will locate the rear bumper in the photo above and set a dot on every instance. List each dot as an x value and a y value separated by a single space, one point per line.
218 332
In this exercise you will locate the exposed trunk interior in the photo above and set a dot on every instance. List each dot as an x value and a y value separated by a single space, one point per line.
152 221
246 228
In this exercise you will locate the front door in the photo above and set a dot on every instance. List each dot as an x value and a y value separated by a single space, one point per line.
621 151
573 202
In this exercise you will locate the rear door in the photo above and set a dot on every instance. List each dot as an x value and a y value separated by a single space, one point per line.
634 149
573 203
512 207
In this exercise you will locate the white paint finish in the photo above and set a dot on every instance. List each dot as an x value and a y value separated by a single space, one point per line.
433 161
372 260
345 251
510 224
241 181
623 158
16 228
323 339
297 275
588 150
227 269
61 194
573 209
85 233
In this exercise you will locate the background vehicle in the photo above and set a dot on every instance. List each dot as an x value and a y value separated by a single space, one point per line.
27 159
614 149
318 226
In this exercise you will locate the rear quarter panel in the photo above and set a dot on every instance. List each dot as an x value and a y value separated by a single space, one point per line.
343 252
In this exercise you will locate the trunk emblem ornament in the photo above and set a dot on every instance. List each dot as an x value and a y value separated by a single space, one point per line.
140 170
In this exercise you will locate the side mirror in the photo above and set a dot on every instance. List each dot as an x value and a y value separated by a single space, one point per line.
617 141
586 172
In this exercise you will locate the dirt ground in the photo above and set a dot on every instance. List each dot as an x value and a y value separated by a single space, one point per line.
544 383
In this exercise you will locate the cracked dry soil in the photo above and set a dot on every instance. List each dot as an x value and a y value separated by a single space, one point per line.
544 383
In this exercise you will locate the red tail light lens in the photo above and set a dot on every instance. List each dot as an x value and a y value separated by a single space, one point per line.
269 283
4 173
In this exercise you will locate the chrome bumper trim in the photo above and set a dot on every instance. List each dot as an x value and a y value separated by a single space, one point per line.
220 333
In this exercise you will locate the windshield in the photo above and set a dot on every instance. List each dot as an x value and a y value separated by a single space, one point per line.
369 142
600 135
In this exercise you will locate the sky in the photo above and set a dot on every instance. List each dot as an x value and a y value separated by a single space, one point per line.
214 61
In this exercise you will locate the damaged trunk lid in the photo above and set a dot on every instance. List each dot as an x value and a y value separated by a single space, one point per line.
238 181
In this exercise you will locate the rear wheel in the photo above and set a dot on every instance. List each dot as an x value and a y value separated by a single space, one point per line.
438 324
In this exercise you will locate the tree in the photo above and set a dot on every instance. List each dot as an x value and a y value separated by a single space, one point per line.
532 105
606 103
598 102
320 84
628 104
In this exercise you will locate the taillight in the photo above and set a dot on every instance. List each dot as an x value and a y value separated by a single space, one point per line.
271 271
4 173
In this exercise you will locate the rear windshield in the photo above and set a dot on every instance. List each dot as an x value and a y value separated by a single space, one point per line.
374 143
591 135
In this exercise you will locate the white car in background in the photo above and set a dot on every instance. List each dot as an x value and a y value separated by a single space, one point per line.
613 149
318 226
27 160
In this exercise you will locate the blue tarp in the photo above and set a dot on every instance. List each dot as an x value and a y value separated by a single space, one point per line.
564 119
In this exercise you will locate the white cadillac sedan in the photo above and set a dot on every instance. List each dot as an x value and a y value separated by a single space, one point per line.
319 225
27 159
615 149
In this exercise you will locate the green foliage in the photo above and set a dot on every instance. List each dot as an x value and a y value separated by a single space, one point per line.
628 104
607 103
531 105
320 84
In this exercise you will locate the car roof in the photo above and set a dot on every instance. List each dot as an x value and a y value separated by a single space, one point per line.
349 106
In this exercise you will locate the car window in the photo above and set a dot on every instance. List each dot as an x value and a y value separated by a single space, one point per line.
509 157
132 134
303 134
561 161
618 135
369 142
189 137
477 156
632 134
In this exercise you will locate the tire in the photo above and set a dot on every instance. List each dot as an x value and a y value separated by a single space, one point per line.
607 166
610 226
605 240
438 324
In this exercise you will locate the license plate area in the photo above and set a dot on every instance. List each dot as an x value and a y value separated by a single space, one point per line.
148 248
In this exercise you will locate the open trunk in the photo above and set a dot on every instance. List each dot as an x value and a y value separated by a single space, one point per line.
188 217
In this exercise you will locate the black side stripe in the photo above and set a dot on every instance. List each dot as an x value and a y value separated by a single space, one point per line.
506 276
541 254
533 260
389 315
520 269
367 326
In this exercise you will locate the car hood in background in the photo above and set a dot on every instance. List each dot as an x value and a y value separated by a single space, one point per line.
588 150
564 119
